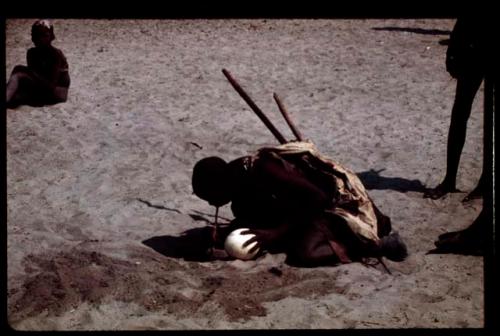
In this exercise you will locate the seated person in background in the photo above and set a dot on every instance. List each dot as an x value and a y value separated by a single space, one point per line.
45 81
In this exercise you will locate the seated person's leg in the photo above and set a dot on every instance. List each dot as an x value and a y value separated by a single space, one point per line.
60 94
17 89
23 88
26 88
12 95
20 69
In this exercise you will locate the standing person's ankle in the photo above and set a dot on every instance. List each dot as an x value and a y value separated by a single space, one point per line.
441 190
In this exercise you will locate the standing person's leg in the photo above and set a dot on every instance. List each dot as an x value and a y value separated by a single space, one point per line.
476 238
478 191
482 185
467 87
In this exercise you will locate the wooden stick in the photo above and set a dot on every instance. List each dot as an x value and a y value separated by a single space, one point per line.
216 226
254 107
289 121
383 264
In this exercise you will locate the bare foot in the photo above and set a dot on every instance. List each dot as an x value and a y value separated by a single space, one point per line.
477 193
440 191
459 242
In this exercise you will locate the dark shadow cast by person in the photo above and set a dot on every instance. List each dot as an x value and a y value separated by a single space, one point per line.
444 42
191 245
373 180
415 30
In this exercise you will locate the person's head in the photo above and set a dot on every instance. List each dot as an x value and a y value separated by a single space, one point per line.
210 181
42 33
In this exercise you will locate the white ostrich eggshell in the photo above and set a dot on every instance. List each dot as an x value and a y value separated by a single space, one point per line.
234 245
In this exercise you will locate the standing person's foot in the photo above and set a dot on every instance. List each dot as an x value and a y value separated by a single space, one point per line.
11 105
465 242
477 193
469 241
440 191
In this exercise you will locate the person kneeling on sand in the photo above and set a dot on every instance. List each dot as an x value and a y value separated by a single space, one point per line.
296 201
45 81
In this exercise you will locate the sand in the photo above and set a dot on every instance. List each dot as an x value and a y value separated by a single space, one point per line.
99 191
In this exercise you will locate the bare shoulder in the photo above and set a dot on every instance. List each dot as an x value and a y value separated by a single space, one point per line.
59 52
61 58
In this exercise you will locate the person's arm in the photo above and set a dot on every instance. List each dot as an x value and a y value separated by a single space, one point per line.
269 237
50 70
34 65
61 73
30 58
58 67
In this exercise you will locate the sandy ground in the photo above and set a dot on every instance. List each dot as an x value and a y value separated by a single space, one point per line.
99 189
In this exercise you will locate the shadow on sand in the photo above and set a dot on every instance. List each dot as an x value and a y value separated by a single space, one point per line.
373 180
415 30
192 245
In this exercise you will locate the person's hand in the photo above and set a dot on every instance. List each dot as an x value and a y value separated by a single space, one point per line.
255 239
264 238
